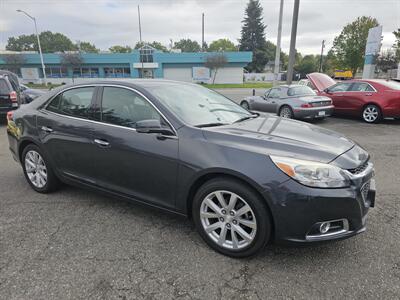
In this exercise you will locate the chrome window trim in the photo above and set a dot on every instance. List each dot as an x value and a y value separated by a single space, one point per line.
104 123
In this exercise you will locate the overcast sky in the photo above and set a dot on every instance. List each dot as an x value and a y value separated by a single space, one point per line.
106 23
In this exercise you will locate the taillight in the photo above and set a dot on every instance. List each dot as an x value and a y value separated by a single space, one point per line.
10 116
306 105
13 96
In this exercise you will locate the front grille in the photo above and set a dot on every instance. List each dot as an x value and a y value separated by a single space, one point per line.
321 103
359 169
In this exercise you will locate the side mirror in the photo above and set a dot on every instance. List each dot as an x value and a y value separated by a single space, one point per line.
327 91
152 126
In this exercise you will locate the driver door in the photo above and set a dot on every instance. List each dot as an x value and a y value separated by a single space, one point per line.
141 165
271 102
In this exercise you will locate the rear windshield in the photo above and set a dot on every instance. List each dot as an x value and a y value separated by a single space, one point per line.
4 89
300 91
391 84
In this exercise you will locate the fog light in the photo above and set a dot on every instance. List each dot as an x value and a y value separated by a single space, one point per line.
324 227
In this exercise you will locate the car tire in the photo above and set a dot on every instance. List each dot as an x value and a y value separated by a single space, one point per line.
371 113
286 112
38 170
226 228
245 105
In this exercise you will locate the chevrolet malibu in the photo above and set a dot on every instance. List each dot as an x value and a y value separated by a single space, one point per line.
244 179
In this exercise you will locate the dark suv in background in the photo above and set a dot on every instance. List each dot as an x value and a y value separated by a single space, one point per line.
10 92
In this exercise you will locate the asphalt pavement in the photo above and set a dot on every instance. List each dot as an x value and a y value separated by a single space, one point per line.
76 244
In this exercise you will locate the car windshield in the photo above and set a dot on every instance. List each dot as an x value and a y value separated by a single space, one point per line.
300 91
198 106
391 84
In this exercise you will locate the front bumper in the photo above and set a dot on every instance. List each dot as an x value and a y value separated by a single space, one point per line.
299 210
313 112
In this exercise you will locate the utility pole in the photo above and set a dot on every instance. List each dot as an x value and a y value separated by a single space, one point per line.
141 43
289 78
202 32
278 46
38 39
322 53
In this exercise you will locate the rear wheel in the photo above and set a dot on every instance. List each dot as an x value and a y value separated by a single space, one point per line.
371 113
245 105
231 217
37 170
286 112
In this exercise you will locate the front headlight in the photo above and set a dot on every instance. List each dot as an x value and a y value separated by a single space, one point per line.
313 174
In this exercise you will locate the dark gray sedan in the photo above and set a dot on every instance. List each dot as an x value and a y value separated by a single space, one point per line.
245 179
293 102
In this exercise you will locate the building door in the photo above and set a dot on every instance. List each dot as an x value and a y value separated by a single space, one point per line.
147 73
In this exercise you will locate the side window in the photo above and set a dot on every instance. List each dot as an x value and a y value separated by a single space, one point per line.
54 104
275 93
340 87
75 102
125 108
361 87
4 89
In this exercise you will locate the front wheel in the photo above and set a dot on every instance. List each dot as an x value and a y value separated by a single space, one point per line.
245 105
231 218
371 114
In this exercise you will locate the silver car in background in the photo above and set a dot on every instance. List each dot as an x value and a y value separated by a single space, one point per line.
291 101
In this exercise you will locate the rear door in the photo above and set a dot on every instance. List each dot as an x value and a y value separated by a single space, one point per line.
141 165
65 129
358 94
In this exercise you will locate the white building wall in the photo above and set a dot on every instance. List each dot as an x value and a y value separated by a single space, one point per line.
179 74
224 75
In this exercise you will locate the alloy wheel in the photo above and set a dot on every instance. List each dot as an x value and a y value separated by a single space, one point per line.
35 168
370 113
286 112
228 220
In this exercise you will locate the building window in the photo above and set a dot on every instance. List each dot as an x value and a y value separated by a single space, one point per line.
86 72
56 72
146 54
117 72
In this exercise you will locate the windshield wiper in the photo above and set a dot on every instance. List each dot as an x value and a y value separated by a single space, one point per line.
246 118
210 124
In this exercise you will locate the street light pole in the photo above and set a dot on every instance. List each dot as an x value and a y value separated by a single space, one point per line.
38 39
322 53
289 78
278 46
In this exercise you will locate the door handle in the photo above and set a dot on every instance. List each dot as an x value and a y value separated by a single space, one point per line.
102 143
368 94
47 129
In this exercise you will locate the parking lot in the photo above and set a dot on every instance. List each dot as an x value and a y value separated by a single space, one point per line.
80 244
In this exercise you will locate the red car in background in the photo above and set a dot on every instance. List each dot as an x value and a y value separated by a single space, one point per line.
370 99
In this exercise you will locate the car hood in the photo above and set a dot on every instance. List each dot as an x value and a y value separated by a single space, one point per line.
273 135
320 81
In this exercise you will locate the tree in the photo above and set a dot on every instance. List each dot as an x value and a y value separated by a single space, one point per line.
253 36
187 45
154 44
120 49
50 42
308 64
215 62
87 47
72 60
349 46
222 45
396 45
14 61
386 61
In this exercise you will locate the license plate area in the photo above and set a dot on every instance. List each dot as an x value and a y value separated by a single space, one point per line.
321 113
